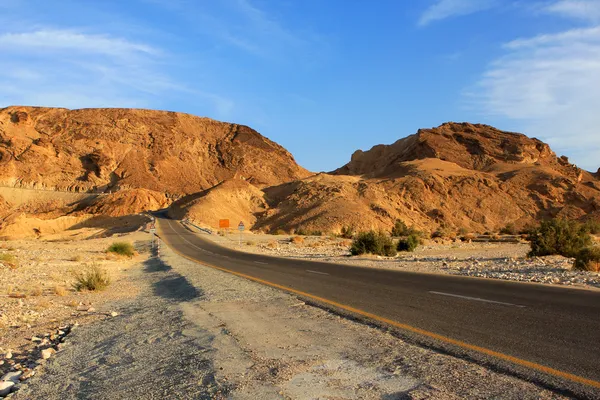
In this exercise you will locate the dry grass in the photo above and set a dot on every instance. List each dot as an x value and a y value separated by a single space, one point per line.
36 291
272 244
250 243
60 290
76 258
9 260
297 240
122 248
92 278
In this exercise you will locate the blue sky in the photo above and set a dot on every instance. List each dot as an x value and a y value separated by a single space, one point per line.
321 77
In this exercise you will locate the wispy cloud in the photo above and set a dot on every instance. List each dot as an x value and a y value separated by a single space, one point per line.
73 68
443 9
551 83
581 9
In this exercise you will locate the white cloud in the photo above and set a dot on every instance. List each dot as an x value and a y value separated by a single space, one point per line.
552 84
73 69
581 9
443 9
56 39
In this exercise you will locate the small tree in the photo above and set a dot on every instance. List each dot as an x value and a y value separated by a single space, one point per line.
400 229
558 236
588 259
372 242
347 232
409 244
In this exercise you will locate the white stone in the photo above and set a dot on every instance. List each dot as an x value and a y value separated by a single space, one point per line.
6 387
12 376
47 353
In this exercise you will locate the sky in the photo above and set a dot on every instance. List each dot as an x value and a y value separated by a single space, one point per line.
323 78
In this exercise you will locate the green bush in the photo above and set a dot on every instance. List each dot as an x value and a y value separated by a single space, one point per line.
409 244
592 227
93 278
374 243
122 248
588 259
347 232
400 229
558 236
509 229
9 259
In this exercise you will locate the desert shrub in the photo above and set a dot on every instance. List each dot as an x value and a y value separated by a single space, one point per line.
301 231
279 232
463 231
297 240
441 233
9 260
592 227
588 259
558 236
122 248
410 243
92 278
250 243
348 232
374 243
60 290
36 291
76 258
509 229
400 229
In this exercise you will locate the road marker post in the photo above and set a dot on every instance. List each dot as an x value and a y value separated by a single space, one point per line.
241 228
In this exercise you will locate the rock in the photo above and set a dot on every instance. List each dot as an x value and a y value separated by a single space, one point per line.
35 339
12 376
28 374
8 355
6 387
114 313
47 353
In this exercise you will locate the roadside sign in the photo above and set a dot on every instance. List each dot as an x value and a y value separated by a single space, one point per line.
223 223
241 226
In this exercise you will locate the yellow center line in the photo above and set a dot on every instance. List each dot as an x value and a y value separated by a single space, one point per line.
410 328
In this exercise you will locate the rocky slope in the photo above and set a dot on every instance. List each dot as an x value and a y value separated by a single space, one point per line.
454 176
112 149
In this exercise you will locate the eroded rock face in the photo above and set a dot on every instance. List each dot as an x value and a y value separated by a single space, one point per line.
110 149
471 146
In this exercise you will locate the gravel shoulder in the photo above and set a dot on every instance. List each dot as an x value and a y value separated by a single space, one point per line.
194 332
506 261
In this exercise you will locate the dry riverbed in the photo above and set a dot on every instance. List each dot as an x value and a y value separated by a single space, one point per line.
507 261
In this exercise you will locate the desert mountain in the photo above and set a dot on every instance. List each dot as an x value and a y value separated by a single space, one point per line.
112 149
457 175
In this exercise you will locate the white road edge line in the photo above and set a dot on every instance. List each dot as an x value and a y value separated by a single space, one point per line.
477 299
317 272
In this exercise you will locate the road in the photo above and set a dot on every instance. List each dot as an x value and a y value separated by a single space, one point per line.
547 334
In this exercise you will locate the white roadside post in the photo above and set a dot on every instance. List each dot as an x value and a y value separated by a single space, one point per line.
241 228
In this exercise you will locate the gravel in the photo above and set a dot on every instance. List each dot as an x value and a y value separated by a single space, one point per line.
198 333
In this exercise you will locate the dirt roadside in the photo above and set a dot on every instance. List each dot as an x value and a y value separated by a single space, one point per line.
506 261
197 333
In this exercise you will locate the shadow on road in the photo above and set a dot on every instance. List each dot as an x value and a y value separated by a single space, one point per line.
170 285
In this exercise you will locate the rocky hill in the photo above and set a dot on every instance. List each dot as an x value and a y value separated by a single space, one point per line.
112 149
473 177
456 176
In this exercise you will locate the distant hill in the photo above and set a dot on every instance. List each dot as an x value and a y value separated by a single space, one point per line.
113 149
458 175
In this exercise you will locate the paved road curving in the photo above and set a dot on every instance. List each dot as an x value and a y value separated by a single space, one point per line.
547 334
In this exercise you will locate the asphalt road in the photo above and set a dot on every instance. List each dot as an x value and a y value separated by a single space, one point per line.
552 327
